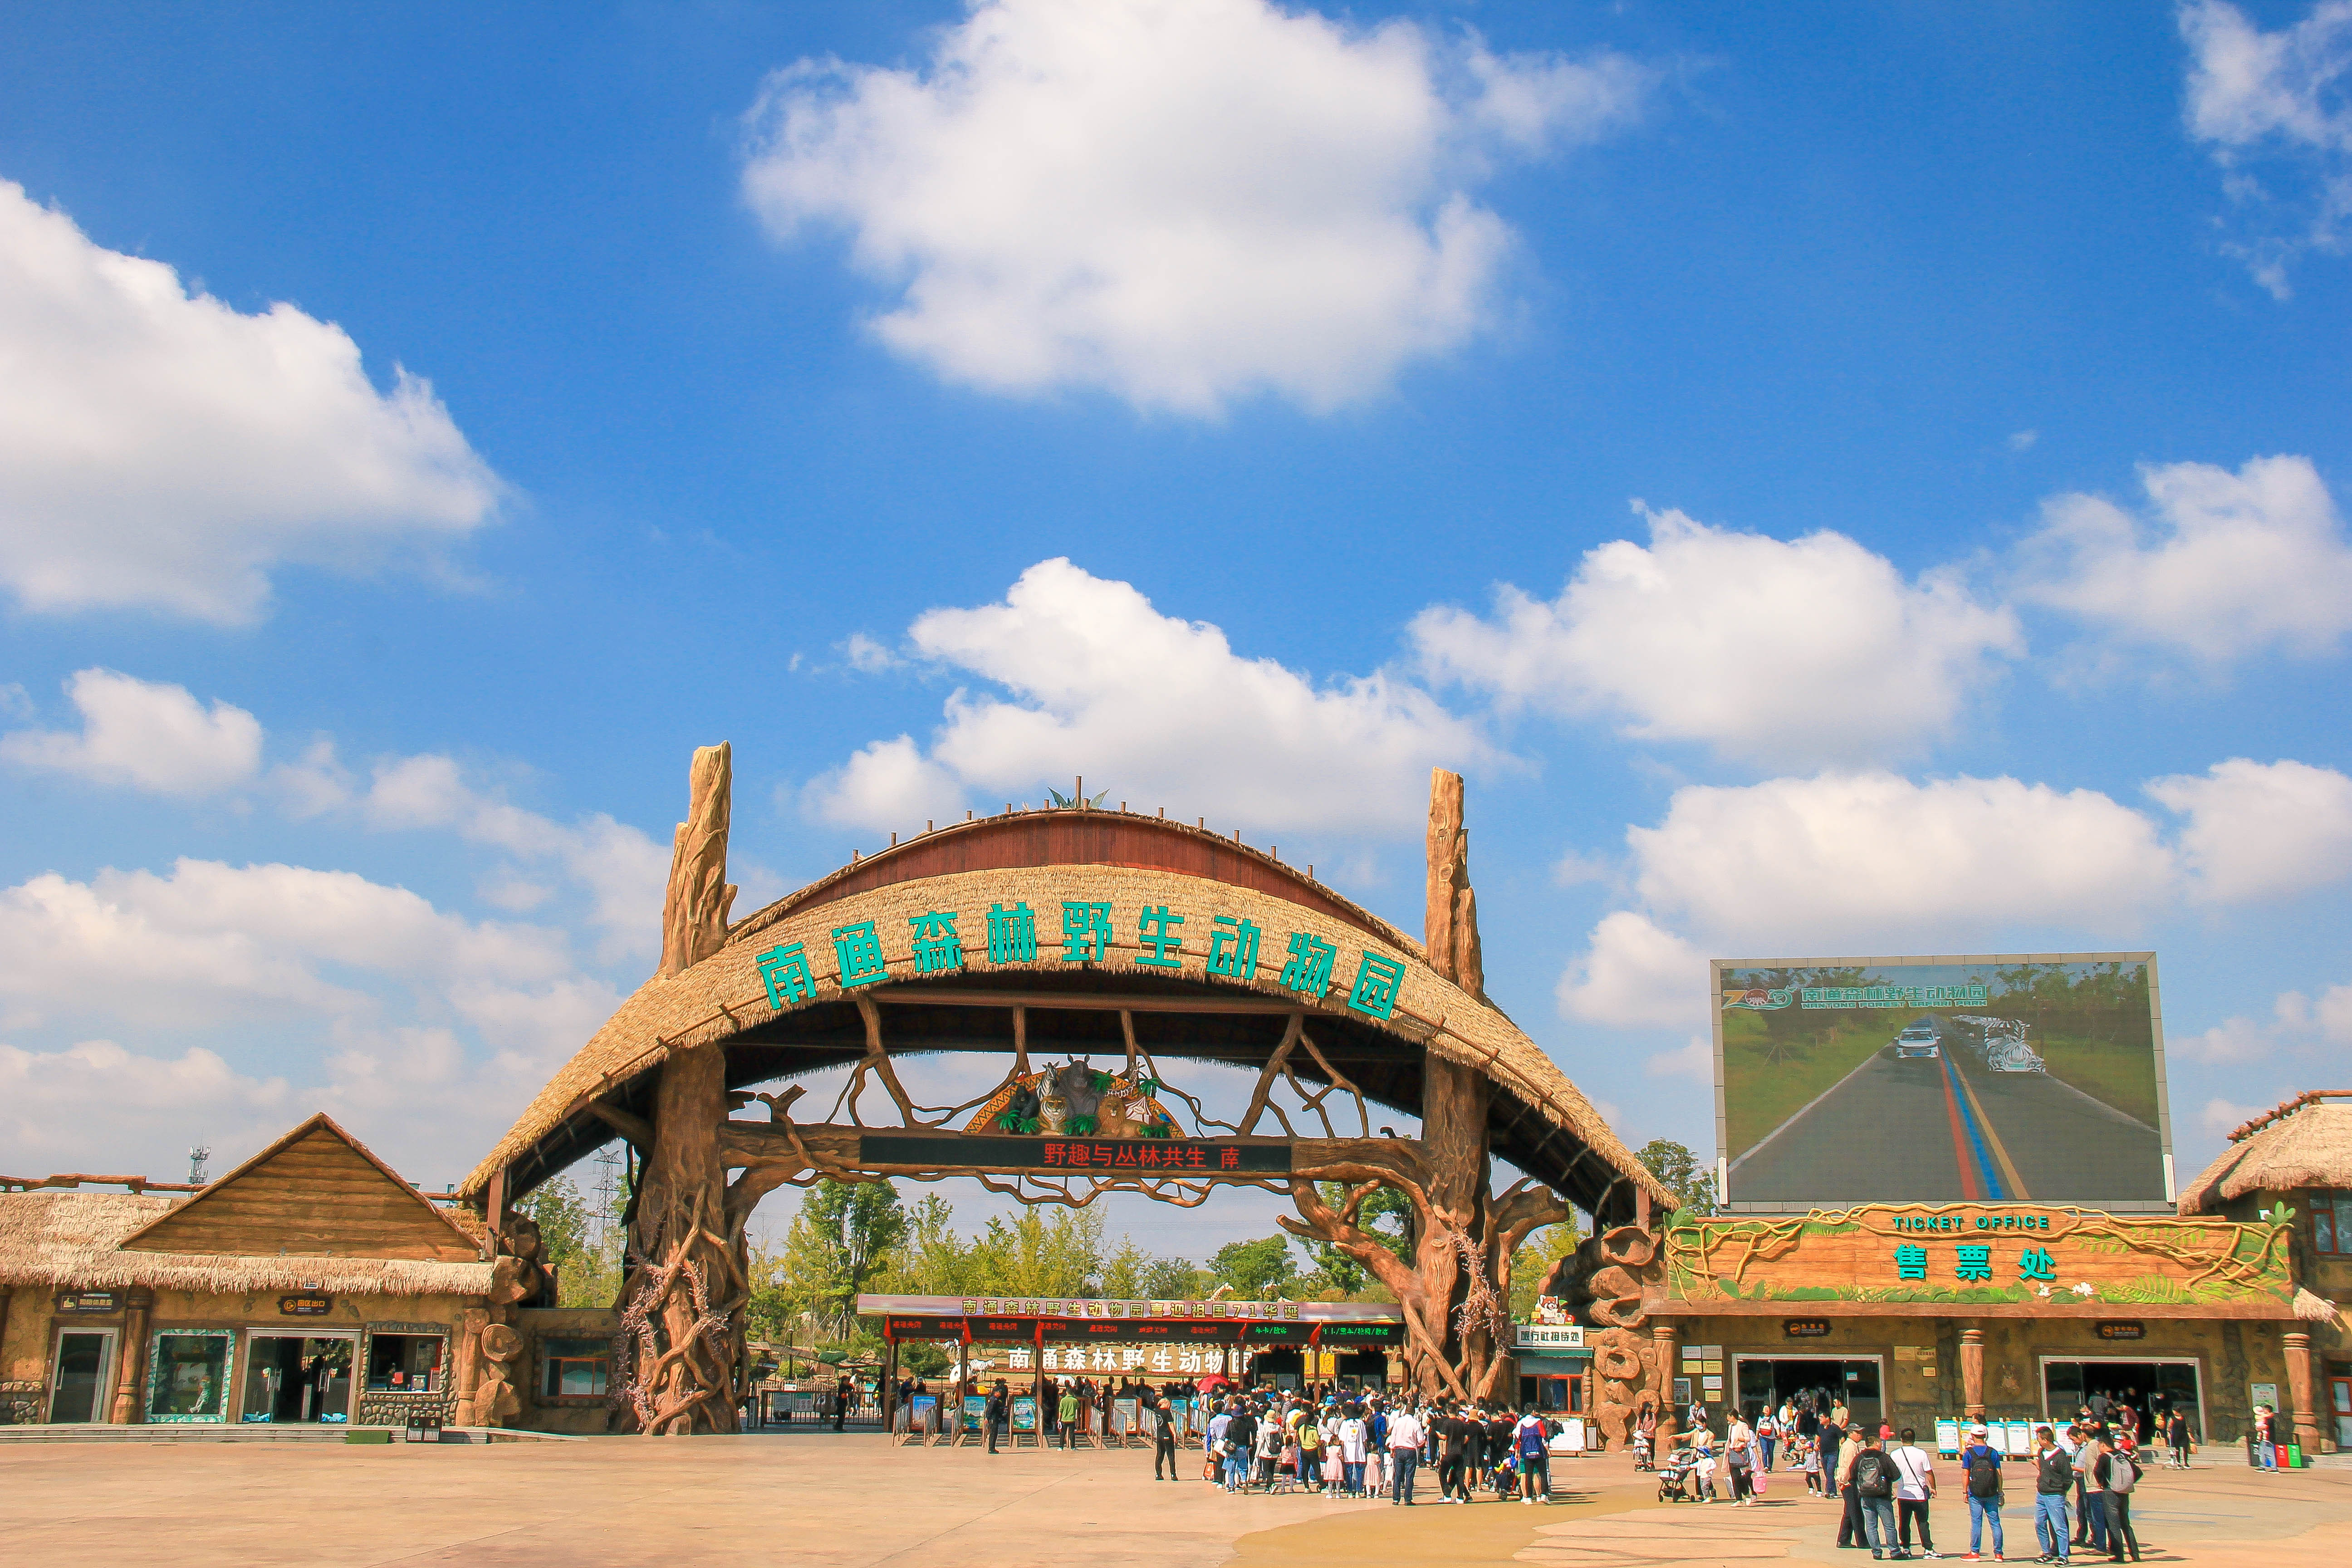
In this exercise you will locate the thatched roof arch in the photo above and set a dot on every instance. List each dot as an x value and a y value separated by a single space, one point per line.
1538 1120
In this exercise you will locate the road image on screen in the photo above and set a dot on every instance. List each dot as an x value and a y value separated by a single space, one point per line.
2032 1079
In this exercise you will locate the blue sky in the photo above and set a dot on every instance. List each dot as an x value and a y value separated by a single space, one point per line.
1867 480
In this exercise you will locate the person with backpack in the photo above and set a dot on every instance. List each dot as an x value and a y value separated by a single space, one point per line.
1532 1442
1980 1463
1914 1487
1240 1447
1874 1479
2054 1478
2090 1502
2118 1472
1768 1432
1851 1530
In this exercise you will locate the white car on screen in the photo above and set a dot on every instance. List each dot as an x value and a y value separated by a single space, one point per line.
1921 1038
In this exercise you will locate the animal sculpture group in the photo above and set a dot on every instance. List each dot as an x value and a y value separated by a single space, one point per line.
1082 1100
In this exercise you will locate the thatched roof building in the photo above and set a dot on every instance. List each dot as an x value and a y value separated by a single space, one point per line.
74 1240
2305 1144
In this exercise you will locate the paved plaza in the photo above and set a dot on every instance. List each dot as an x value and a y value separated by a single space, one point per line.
853 1501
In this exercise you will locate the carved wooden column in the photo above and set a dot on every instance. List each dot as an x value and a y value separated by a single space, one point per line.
1665 1341
130 1360
1972 1399
682 1305
2303 1387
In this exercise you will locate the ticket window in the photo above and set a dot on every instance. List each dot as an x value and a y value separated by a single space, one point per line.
404 1364
78 1388
1551 1395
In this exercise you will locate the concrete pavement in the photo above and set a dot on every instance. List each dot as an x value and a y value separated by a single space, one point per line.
855 1502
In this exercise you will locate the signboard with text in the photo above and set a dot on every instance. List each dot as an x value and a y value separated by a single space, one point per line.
2065 1260
1194 1156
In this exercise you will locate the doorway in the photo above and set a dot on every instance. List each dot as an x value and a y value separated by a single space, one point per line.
2153 1388
292 1378
84 1357
1817 1382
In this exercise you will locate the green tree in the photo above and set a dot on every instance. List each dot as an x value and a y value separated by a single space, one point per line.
1691 1181
1535 1260
563 1220
1386 1214
1256 1270
1035 1256
931 1259
842 1238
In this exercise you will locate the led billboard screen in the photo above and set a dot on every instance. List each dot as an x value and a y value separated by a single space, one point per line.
2022 1078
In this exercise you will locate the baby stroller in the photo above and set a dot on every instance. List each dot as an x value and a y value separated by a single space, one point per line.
1642 1452
1677 1478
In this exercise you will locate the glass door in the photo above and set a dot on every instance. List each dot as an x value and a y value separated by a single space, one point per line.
78 1391
297 1378
2339 1391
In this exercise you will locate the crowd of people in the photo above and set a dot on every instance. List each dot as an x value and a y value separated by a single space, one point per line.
2085 1472
1362 1443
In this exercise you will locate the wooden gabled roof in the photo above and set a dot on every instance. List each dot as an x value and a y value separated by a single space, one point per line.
316 1192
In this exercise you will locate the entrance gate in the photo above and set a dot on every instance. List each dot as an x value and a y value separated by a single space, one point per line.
1087 935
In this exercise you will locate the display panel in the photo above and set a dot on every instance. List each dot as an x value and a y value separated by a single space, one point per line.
2001 1078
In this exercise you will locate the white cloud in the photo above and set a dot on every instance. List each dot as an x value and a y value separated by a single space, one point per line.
15 701
212 944
886 784
1694 1059
2223 565
2334 1015
159 450
1860 862
1872 862
866 655
2222 1117
150 735
1634 971
1791 652
2252 93
1158 709
1179 204
2261 830
623 870
2023 440
96 1106
423 1032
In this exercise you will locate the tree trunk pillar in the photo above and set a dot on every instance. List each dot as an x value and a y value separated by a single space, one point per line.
2303 1387
1972 1399
1665 1341
682 1304
131 1361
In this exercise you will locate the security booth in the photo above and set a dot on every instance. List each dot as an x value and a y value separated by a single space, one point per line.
1554 1366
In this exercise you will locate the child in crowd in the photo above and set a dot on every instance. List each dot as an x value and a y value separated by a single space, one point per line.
1810 1449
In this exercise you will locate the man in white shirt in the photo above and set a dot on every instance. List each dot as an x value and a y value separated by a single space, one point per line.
1914 1485
1405 1437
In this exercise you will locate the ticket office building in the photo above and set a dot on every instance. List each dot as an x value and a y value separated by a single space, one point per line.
1908 1314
